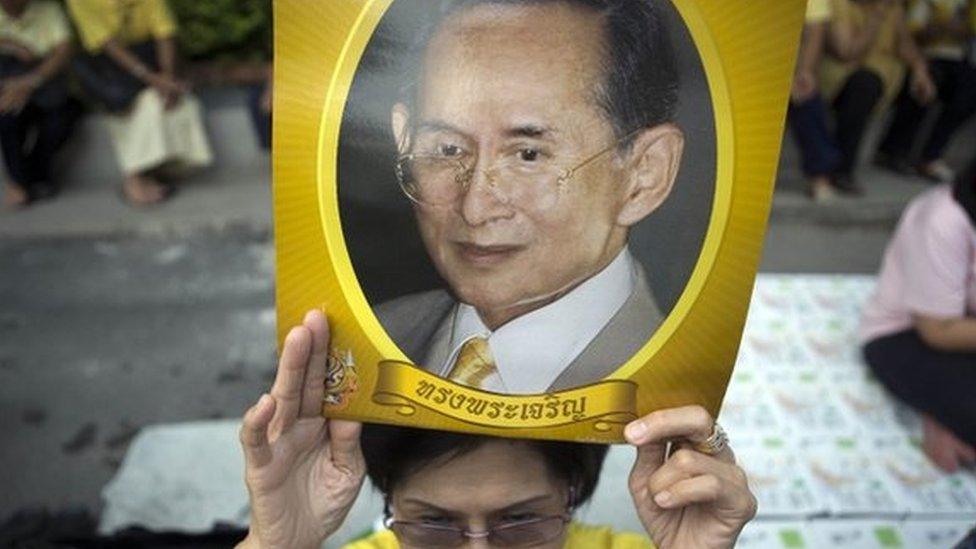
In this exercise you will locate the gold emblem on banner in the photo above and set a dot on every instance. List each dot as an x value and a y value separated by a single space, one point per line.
341 381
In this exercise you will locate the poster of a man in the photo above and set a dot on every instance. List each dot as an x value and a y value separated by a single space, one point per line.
538 218
533 136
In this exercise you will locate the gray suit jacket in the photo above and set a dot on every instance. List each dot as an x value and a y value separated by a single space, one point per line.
420 324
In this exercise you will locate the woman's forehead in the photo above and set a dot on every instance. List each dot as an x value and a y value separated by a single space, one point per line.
493 476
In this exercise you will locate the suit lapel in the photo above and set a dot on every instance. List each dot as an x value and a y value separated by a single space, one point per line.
413 322
624 335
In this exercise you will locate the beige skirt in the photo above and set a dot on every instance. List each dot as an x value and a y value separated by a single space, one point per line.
149 136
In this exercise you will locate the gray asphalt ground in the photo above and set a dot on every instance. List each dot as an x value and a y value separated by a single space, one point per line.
112 319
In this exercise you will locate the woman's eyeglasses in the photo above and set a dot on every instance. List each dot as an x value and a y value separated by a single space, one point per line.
524 533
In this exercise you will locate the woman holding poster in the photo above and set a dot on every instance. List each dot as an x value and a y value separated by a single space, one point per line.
304 473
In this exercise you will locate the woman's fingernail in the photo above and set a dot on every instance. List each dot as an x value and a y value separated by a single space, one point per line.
635 431
662 499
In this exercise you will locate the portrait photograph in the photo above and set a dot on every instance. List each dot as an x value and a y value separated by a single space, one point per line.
525 186
530 218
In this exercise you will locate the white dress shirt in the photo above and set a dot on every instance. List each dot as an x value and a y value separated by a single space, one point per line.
531 351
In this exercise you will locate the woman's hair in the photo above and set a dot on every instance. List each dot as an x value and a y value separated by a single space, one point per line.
393 454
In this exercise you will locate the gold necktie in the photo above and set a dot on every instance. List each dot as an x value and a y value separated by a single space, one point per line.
473 364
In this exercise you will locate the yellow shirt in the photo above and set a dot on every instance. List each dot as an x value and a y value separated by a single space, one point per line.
41 28
131 21
818 11
579 537
882 58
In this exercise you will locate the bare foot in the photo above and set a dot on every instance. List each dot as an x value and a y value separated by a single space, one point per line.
821 189
15 197
141 191
944 448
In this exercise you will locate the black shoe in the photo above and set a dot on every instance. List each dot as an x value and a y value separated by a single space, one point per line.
846 184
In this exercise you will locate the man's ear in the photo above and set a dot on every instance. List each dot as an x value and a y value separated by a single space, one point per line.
652 166
400 118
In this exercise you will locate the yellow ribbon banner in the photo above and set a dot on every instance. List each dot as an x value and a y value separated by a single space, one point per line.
602 405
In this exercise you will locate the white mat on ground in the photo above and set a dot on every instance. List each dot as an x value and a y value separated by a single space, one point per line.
830 456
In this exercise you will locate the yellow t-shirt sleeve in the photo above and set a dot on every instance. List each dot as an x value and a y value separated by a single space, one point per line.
384 539
97 21
161 20
818 11
581 536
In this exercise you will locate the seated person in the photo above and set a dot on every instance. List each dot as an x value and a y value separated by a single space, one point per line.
35 112
445 490
131 70
808 113
919 328
944 29
869 49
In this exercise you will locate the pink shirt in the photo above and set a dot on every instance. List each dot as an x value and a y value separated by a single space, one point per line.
929 268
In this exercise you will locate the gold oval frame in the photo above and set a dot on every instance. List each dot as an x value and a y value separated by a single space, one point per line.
689 358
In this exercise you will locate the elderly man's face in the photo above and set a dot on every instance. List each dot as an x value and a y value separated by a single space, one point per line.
518 82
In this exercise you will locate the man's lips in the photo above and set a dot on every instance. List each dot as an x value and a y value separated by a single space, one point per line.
486 255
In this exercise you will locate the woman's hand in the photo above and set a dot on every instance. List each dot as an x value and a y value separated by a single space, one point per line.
303 472
690 500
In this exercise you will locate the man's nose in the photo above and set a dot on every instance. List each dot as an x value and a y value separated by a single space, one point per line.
480 200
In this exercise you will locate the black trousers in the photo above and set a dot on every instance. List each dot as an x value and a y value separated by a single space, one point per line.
853 107
938 383
260 119
956 84
30 139
835 153
818 151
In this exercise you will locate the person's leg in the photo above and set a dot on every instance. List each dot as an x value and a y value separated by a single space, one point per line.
853 108
936 383
13 133
820 155
897 144
260 118
53 126
959 106
139 139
